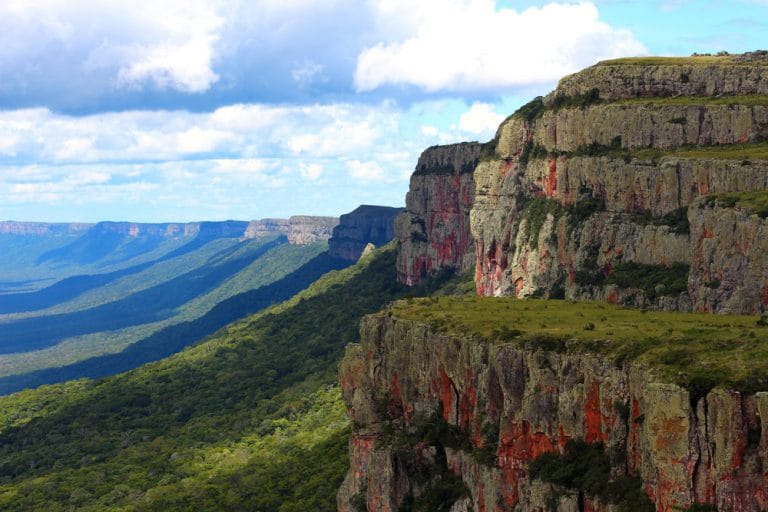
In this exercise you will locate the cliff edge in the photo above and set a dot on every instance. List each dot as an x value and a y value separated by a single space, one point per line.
490 404
611 187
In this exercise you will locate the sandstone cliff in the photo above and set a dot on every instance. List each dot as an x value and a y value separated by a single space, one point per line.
434 230
364 225
460 418
266 227
300 229
42 228
603 175
307 229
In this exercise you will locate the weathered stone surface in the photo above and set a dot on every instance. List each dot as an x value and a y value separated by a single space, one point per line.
364 225
729 261
266 227
597 210
710 452
300 229
308 229
434 230
684 79
42 228
641 126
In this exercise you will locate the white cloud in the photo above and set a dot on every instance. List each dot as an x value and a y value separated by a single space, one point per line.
163 43
242 161
310 172
480 118
366 171
471 45
307 73
185 67
201 140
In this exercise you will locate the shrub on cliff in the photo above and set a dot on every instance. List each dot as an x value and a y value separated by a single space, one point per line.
586 468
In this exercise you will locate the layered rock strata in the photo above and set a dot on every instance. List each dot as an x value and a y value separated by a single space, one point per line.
300 229
306 229
599 174
42 228
518 404
366 224
434 231
266 227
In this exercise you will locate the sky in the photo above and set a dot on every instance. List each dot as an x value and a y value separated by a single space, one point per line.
168 111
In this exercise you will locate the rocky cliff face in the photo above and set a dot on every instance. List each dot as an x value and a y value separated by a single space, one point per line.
266 227
307 229
483 411
42 228
364 225
729 259
434 230
300 229
601 176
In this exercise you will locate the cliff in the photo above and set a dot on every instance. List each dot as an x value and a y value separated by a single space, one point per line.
266 227
597 185
364 225
434 230
485 404
305 229
300 229
42 228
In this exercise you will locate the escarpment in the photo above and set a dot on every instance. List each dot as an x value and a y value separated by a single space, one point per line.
366 224
586 192
42 228
300 229
449 418
434 231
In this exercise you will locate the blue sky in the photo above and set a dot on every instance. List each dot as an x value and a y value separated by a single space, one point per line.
208 109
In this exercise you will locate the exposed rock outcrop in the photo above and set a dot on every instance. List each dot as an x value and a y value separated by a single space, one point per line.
654 76
434 230
266 227
599 176
513 404
364 225
306 229
42 228
300 229
729 261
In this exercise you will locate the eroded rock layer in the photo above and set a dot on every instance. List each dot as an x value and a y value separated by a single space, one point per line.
300 229
603 176
511 405
434 230
366 224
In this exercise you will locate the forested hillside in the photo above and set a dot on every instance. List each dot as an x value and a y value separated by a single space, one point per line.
249 419
123 299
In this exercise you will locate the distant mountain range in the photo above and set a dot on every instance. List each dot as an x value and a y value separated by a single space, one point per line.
89 300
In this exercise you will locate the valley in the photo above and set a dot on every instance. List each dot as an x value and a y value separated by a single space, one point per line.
572 316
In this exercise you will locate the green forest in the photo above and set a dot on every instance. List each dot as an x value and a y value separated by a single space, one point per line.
248 419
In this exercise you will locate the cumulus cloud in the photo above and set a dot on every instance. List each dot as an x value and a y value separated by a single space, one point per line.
471 45
240 161
310 172
365 171
480 118
91 44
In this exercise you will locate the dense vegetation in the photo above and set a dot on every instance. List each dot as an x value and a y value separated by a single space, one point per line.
653 280
586 468
102 324
174 337
246 418
696 350
755 202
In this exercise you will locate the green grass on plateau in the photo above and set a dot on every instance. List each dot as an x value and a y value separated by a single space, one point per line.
696 350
